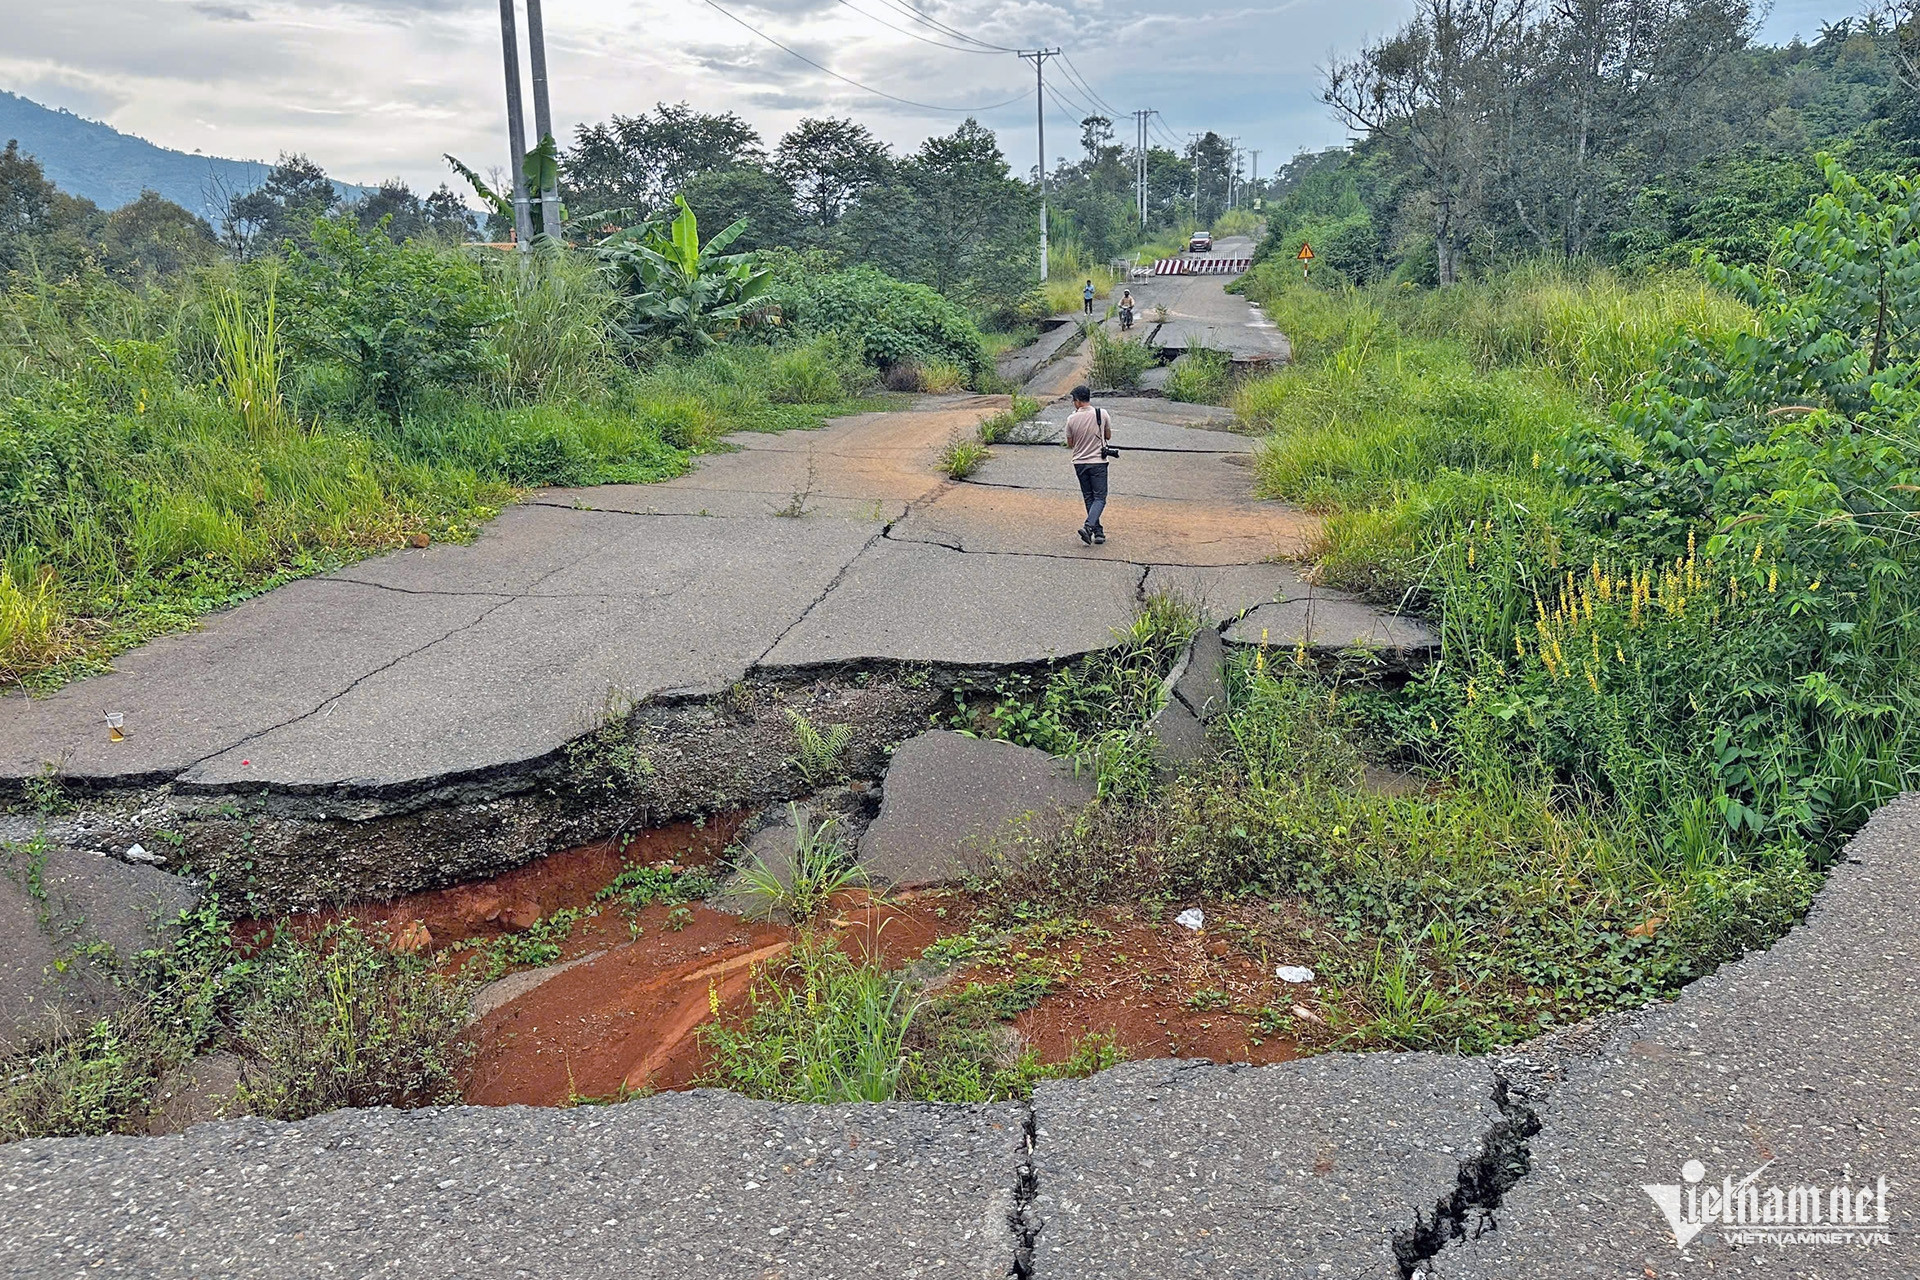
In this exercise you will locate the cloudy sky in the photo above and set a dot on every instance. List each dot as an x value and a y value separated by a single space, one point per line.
380 88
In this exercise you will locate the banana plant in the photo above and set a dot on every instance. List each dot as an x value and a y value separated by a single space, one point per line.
684 293
540 168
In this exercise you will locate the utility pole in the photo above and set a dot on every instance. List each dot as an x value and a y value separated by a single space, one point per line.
1039 59
516 131
1233 167
1140 119
1255 153
542 117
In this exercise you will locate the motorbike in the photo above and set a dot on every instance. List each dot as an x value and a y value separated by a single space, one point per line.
1126 319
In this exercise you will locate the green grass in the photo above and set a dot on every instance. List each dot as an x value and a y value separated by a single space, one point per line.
318 1023
821 1027
161 454
962 457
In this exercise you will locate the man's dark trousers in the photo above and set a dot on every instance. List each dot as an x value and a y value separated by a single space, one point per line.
1093 491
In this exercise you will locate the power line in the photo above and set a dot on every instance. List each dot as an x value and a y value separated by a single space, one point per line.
915 35
864 88
1080 78
1069 104
915 11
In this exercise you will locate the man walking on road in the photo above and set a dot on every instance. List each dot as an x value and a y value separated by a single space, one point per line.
1086 295
1088 431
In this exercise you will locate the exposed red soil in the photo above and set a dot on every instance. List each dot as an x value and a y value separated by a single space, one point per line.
1162 991
620 1009
623 1020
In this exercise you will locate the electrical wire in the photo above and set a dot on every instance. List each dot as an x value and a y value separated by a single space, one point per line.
1069 104
1080 78
915 35
920 15
865 88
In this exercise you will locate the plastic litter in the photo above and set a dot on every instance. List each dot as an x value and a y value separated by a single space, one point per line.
1293 973
1192 918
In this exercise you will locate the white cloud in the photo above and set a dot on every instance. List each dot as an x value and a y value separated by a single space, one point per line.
380 88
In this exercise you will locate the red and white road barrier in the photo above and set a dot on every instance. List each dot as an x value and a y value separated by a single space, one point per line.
1201 266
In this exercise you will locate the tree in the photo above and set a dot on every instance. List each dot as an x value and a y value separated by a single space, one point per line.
750 193
1096 133
954 217
1211 158
40 225
406 216
296 192
155 236
1435 89
1606 96
639 163
828 163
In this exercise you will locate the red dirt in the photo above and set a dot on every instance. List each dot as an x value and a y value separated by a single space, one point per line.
623 1020
1162 991
619 1011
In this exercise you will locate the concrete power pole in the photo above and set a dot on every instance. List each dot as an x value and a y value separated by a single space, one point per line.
516 131
1140 119
1039 59
1255 153
542 116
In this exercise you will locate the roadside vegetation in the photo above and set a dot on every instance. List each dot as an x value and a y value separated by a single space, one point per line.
1665 528
307 1024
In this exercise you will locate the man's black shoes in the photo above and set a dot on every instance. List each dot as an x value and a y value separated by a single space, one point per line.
1086 535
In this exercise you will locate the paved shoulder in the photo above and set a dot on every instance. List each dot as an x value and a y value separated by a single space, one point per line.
1314 1168
1787 1077
682 1185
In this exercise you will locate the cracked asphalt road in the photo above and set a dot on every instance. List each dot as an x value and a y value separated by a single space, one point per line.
1343 1165
453 663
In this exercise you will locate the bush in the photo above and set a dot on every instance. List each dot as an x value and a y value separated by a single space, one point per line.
398 318
887 321
339 1021
962 457
1117 364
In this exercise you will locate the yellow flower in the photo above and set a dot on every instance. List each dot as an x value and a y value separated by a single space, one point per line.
1469 555
1536 459
1592 681
1773 576
1814 585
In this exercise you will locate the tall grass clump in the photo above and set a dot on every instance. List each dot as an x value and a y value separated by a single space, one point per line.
248 340
1117 363
556 336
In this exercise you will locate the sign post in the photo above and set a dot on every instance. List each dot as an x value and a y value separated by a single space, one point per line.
1305 256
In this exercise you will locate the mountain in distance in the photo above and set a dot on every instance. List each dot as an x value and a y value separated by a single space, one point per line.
86 158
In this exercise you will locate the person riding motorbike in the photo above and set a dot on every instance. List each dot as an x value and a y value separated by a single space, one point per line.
1126 310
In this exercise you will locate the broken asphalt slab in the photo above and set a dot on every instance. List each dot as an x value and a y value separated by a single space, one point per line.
952 801
703 1184
1799 1062
1313 1168
462 670
1330 623
71 921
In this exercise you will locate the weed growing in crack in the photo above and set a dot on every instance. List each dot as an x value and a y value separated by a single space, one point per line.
802 887
608 761
1001 425
962 457
1094 711
817 754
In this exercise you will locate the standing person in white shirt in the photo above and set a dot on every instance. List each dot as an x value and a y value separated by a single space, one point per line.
1088 431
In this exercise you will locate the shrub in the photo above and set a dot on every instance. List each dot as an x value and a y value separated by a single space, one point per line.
942 379
808 374
398 318
340 1021
1200 377
887 321
1117 364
